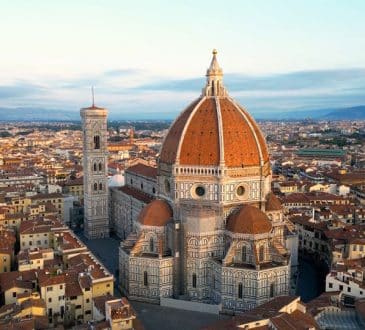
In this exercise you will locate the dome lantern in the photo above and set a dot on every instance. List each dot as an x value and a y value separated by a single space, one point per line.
214 85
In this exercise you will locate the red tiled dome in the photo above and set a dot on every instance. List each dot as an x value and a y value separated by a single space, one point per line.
249 220
272 203
156 213
214 130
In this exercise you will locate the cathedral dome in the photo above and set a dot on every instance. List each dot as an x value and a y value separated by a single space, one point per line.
272 203
249 220
156 213
214 130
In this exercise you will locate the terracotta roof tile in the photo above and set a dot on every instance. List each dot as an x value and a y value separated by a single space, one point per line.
272 203
144 170
249 220
156 213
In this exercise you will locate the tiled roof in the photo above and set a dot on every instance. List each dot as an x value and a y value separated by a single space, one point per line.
156 213
194 138
272 203
249 220
137 194
144 170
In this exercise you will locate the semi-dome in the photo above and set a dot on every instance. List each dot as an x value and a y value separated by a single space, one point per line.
273 203
214 130
249 220
156 213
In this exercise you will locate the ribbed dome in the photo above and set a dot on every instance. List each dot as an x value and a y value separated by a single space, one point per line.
156 213
272 203
249 220
214 130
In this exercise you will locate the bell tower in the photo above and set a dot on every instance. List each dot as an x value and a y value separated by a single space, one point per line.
95 166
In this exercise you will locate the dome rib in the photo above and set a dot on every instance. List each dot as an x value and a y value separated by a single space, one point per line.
171 142
183 134
214 131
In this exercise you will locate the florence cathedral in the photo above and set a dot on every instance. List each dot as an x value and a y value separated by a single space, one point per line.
204 225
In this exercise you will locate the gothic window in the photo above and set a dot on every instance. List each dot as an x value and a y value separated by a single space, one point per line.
95 186
94 167
240 290
96 142
244 253
100 167
145 279
272 289
152 247
261 253
100 186
194 280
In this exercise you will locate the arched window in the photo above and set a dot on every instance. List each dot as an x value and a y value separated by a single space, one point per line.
94 167
240 290
194 280
145 279
142 186
100 186
96 142
95 186
100 166
261 253
152 245
244 253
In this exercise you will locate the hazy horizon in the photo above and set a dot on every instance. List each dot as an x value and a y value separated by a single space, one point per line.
151 57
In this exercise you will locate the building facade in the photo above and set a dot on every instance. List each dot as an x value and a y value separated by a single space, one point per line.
95 160
213 232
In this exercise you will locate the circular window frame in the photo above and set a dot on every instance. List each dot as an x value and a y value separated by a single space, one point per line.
194 191
244 195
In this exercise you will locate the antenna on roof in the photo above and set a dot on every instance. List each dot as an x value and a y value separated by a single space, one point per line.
92 93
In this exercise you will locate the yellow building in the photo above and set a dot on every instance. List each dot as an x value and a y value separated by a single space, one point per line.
20 204
7 241
357 248
14 284
34 259
56 199
39 233
74 188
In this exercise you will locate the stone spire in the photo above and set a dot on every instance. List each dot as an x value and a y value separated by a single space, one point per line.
214 86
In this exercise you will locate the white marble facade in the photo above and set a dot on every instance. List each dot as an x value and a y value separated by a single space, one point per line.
205 226
95 160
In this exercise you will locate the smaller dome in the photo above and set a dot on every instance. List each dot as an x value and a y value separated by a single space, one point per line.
117 180
249 220
272 203
156 213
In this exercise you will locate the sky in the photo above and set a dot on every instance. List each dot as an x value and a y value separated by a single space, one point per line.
150 57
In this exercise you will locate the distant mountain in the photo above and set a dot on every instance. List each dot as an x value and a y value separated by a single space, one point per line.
352 113
37 114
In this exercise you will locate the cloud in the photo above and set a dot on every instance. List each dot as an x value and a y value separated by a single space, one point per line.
133 90
122 72
18 90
